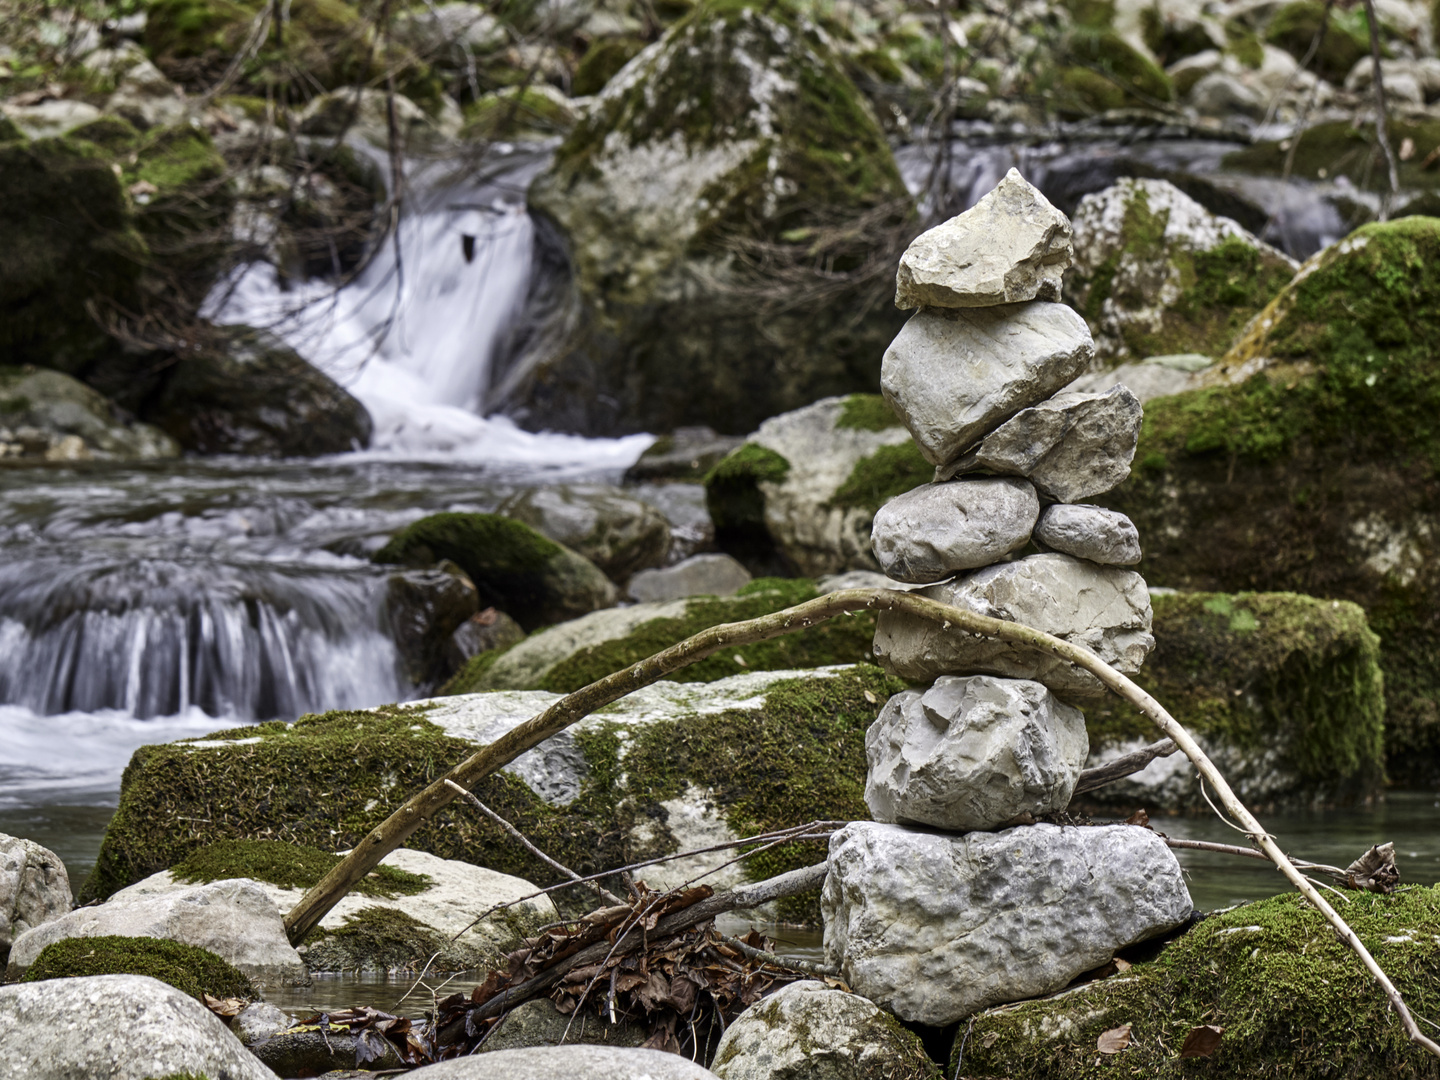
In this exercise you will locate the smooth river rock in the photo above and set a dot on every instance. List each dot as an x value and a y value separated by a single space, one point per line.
1104 608
934 530
1089 532
1070 447
34 888
953 376
700 575
973 752
570 1062
936 927
1010 246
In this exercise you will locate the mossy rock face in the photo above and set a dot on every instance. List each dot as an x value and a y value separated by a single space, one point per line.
1292 998
630 782
1100 71
1317 473
602 61
1284 691
536 111
190 970
1157 274
737 132
1341 149
1347 40
291 866
533 579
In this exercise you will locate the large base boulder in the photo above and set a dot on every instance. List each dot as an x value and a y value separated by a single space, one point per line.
936 927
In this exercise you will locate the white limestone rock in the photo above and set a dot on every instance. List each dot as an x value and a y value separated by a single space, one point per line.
119 1027
935 927
973 752
1103 536
1071 447
929 533
34 888
581 1062
953 376
1010 246
1104 608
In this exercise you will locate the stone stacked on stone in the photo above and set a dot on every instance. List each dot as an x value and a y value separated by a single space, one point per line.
928 923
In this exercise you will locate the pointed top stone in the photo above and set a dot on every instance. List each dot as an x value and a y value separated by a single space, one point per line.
1010 246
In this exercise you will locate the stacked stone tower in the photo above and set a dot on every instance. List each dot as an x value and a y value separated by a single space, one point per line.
952 899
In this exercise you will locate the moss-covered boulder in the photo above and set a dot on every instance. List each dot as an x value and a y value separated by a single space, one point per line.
696 198
536 112
1292 999
615 529
1099 71
529 577
1283 691
190 970
1156 274
799 495
1310 465
671 767
1347 37
1337 148
47 415
574 654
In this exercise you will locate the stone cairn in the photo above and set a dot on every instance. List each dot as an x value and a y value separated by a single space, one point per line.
952 900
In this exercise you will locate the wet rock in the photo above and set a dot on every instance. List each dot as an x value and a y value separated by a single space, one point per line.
936 927
311 1053
687 453
425 609
1423 73
539 1022
1103 608
691 530
49 416
612 528
258 1021
1010 246
973 753
699 575
34 888
122 1027
1070 447
953 376
929 533
806 1031
572 1062
482 632
1089 532
234 919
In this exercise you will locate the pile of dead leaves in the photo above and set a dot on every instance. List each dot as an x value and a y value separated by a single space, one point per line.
372 1029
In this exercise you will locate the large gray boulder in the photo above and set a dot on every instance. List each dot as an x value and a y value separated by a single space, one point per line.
807 1031
571 1062
34 888
236 920
1103 536
609 526
1104 608
937 927
120 1027
932 531
973 752
1010 246
954 376
1070 447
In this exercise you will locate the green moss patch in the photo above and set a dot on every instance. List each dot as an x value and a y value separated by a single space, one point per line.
1347 38
1101 71
602 61
290 866
190 970
518 111
736 504
867 412
1337 148
384 939
879 477
1292 998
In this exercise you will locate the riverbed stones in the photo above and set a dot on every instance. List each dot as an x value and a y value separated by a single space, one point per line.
34 889
1104 608
1103 536
1070 447
121 1027
954 375
930 532
612 528
936 927
1010 246
973 752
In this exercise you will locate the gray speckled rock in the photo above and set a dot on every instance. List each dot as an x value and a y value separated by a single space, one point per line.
1070 447
1010 246
258 1021
927 534
1089 532
953 376
699 575
973 752
569 1062
119 1027
34 888
806 1031
539 1022
936 927
1103 608
609 526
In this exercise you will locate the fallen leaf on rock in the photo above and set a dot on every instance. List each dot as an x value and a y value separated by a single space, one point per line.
1374 871
1139 817
1202 1041
1121 965
1114 1040
989 1039
226 1007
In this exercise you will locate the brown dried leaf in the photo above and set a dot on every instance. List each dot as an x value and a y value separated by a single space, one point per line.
1375 870
1139 817
1114 1040
226 1007
1202 1041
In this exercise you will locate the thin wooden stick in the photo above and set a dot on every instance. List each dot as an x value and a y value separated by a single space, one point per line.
1382 121
1122 767
789 963
1249 853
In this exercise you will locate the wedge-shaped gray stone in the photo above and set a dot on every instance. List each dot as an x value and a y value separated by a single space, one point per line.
929 533
954 376
1104 608
936 927
1089 532
1010 246
119 1027
973 752
1070 447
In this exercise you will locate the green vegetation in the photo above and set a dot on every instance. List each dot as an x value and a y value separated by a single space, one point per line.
1244 44
385 939
1347 38
290 866
506 114
1172 39
190 970
867 412
1341 149
602 61
1292 998
736 504
878 478
1104 72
